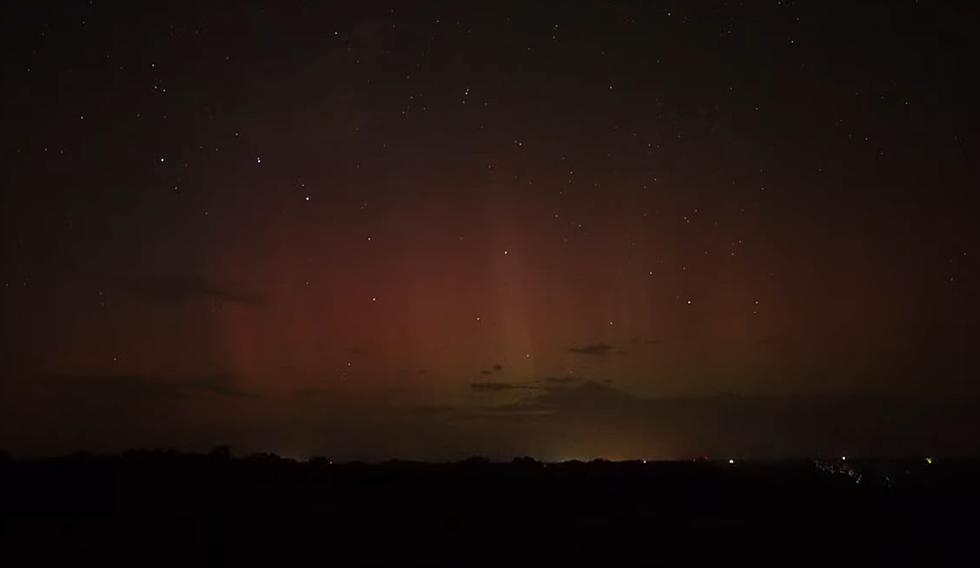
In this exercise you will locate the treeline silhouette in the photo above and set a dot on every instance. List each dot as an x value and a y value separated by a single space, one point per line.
171 508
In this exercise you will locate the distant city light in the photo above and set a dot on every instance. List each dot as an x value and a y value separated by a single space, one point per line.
731 461
929 460
843 458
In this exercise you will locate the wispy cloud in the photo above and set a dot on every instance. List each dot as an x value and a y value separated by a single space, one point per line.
598 349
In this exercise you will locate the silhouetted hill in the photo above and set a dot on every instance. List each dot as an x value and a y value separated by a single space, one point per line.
166 508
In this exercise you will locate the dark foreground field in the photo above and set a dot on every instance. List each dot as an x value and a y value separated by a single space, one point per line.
163 508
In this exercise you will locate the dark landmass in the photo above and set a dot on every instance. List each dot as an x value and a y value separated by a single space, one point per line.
168 508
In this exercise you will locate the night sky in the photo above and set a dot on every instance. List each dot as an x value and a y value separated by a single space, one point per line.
567 230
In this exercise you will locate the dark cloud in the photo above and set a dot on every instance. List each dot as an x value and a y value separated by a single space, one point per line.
144 387
497 367
498 386
180 289
592 349
561 380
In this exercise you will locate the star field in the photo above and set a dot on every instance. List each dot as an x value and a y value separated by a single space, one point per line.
327 216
